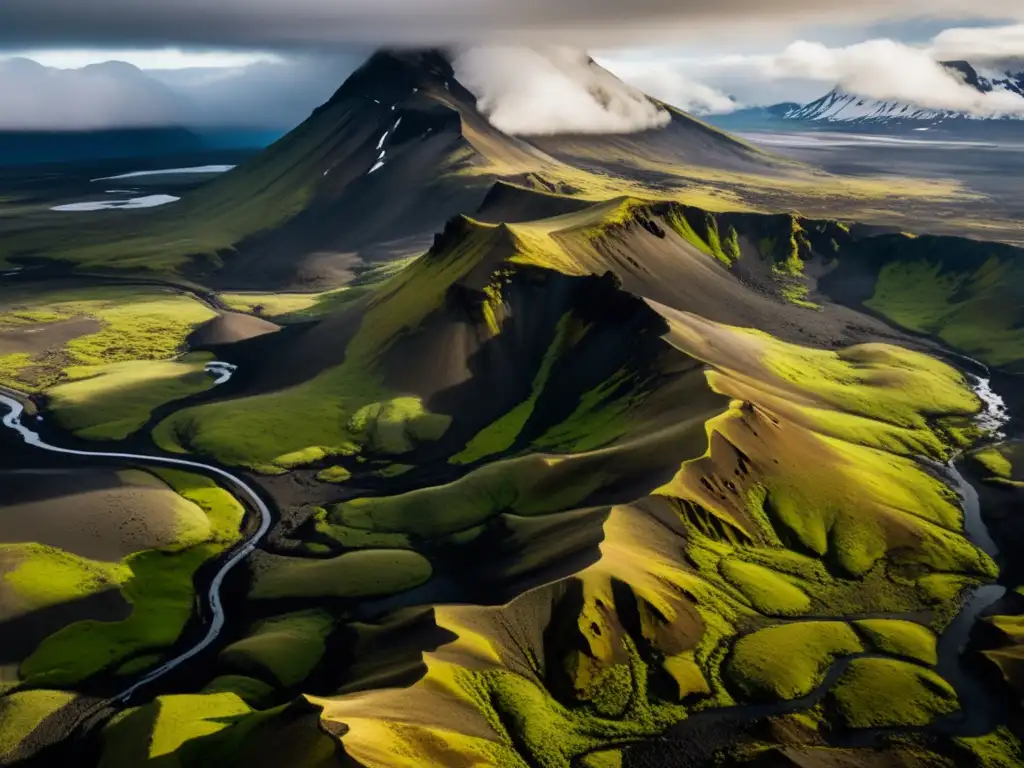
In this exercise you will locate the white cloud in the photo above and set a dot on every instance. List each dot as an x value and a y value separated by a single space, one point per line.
979 44
527 91
888 70
118 95
33 97
673 87
157 58
875 69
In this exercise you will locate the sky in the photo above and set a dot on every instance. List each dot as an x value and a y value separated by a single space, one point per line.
264 63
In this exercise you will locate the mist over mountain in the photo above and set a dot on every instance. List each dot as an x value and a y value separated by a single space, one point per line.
117 95
841 107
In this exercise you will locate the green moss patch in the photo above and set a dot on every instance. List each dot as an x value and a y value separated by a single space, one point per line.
287 648
21 713
356 574
111 402
159 585
789 661
138 324
880 693
901 638
769 593
970 304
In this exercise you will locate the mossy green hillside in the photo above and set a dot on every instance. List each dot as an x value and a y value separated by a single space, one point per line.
880 693
769 592
968 300
789 661
285 648
21 713
111 402
155 732
136 324
158 584
347 406
370 573
901 638
502 434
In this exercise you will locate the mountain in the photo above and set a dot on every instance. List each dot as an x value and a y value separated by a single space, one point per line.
621 469
840 109
373 173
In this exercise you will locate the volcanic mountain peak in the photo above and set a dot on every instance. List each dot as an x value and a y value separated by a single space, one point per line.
389 75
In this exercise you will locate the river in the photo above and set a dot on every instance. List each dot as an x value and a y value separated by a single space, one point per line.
222 371
979 710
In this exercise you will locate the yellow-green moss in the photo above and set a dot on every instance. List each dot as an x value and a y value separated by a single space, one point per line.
879 693
901 638
789 661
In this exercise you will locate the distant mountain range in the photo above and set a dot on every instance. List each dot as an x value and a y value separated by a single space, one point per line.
841 110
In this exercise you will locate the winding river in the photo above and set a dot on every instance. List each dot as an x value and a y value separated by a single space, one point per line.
222 371
979 711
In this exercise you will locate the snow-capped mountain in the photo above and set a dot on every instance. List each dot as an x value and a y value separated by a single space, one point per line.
839 109
838 106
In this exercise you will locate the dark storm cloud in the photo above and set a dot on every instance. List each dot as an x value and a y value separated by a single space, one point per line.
305 23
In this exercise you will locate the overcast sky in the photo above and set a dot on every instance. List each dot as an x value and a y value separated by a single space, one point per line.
268 63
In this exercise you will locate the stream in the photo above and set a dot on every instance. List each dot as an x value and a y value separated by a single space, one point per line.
979 710
215 608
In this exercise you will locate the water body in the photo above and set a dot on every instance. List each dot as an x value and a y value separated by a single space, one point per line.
168 172
149 201
212 597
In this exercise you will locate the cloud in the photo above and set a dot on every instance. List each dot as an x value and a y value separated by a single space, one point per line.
527 91
119 95
888 70
673 87
34 97
980 44
278 25
876 69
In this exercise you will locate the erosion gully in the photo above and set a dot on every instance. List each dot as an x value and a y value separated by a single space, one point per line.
981 711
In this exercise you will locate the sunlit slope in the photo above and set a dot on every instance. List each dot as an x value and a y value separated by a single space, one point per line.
802 499
309 208
400 148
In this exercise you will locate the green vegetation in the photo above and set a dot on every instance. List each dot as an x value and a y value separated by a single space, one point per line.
346 407
46 576
530 485
113 401
769 593
885 692
600 418
791 660
291 307
966 299
901 638
253 692
159 729
157 583
371 573
21 713
161 592
136 324
224 512
500 436
336 475
995 462
287 648
394 427
999 749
